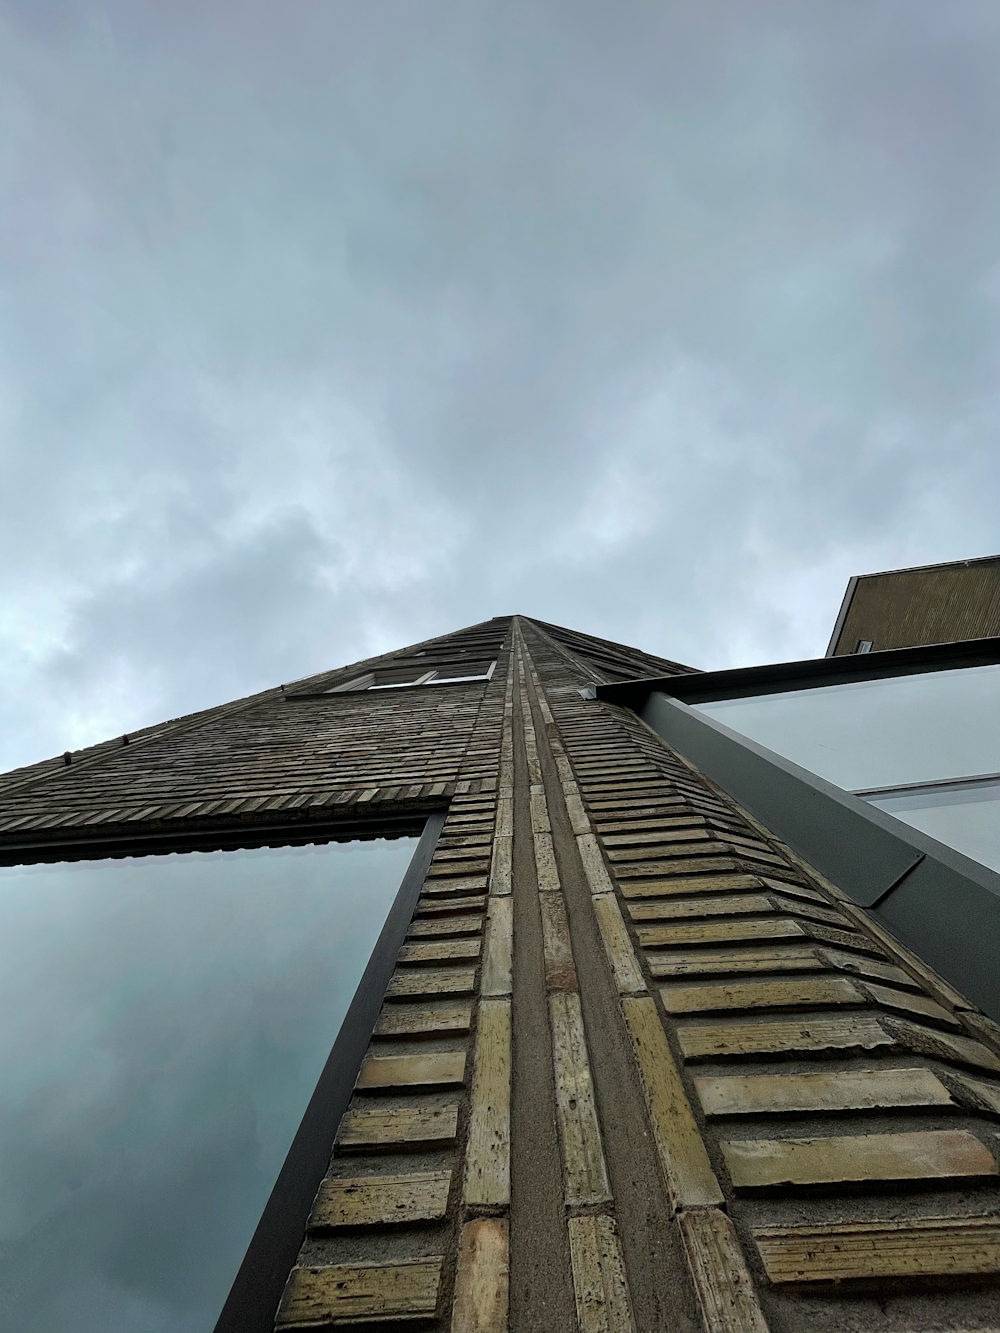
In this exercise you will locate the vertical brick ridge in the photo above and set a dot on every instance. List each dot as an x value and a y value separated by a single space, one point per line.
598 1271
482 1284
718 1269
818 1054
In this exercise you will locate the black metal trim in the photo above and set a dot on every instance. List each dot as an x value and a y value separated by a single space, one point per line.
941 904
228 837
253 1300
942 785
339 695
813 673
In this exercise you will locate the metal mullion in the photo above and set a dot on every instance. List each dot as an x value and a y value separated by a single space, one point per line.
256 1291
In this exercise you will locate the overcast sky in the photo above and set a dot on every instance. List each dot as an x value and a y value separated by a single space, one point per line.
329 327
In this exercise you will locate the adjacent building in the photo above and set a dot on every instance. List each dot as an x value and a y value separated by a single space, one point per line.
929 604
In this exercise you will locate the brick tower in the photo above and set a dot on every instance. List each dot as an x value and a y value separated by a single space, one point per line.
638 1065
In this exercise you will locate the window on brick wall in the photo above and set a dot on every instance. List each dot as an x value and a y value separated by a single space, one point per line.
399 678
164 1021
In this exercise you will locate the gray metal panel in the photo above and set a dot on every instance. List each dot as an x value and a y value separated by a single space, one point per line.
953 924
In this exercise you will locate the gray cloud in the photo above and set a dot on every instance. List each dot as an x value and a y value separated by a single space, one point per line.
333 328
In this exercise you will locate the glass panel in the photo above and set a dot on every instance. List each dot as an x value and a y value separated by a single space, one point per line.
967 819
164 1021
880 733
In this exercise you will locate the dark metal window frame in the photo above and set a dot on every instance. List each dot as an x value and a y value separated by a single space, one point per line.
257 832
943 786
941 904
256 1291
253 1299
351 689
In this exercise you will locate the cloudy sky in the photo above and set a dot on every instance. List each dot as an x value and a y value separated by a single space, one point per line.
329 327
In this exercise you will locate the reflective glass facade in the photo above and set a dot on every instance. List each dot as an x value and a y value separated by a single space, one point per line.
164 1021
966 817
875 736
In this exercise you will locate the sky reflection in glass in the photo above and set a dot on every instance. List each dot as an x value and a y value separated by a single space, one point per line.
879 733
164 1021
929 727
966 819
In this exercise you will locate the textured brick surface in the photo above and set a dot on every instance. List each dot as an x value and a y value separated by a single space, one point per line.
619 999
